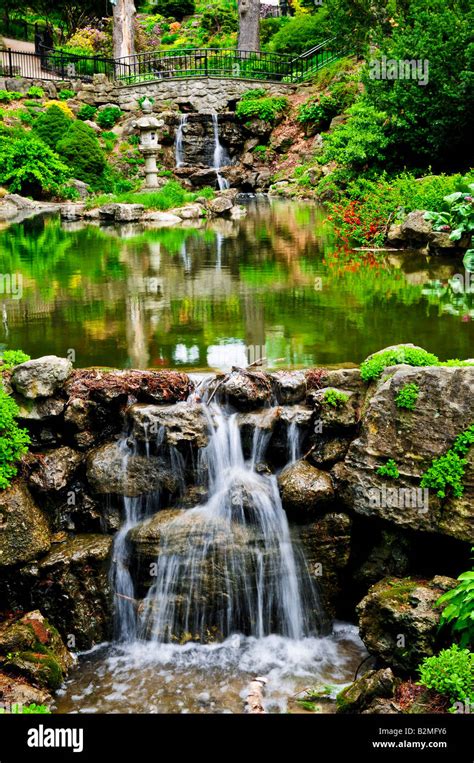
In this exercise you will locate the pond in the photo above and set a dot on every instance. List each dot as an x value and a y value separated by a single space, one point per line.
272 284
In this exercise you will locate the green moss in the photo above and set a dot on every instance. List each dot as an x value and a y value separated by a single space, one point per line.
372 368
48 672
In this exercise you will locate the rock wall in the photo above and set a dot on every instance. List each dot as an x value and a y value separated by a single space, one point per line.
58 518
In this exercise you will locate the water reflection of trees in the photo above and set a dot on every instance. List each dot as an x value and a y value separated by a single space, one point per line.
140 297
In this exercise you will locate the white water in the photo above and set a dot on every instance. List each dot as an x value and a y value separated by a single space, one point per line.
229 566
179 148
220 158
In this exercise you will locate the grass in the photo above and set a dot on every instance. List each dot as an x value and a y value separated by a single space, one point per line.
171 195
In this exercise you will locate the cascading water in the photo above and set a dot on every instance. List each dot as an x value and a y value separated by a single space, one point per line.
179 147
220 157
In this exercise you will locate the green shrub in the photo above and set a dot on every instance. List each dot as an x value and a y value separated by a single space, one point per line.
35 92
25 116
29 166
10 95
64 95
320 111
450 673
13 440
408 396
86 112
335 398
106 118
82 150
31 709
390 469
447 471
178 9
268 108
172 194
459 608
269 28
301 33
109 139
52 125
373 366
219 20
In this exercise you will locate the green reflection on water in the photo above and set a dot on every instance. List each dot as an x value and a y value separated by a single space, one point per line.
272 283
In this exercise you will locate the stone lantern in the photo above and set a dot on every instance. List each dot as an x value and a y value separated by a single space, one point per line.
149 146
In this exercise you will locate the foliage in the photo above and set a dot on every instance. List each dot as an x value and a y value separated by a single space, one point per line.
10 95
13 440
373 366
458 217
178 9
110 139
447 471
369 205
301 33
269 28
90 40
408 396
362 141
52 125
459 609
35 92
11 358
60 105
86 112
29 166
31 709
64 95
107 117
172 194
429 122
267 108
83 153
450 673
219 19
335 398
321 110
390 469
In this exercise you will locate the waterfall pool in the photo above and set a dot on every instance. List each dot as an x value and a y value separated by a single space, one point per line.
144 677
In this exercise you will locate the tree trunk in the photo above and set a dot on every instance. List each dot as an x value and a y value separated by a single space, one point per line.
249 25
124 33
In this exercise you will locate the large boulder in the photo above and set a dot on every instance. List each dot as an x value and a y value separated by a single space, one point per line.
415 229
173 424
113 470
122 212
53 469
245 390
289 386
41 377
71 586
24 532
399 621
304 489
412 438
31 647
343 413
364 694
220 205
326 543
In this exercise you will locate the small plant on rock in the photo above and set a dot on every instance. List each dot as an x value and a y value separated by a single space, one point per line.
447 472
334 398
407 397
390 469
106 118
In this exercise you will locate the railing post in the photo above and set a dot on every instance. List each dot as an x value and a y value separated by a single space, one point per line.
10 62
205 64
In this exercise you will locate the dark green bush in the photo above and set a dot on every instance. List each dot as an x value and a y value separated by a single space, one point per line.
64 95
301 33
106 118
82 150
219 20
86 112
52 125
178 9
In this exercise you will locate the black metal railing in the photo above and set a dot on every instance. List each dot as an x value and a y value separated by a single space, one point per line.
54 63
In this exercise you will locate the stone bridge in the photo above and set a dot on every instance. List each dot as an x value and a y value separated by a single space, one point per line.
200 95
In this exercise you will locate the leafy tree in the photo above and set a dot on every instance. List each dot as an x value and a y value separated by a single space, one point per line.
430 122
82 150
13 440
301 33
178 9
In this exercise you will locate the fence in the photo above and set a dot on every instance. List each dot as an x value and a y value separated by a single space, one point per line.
50 63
